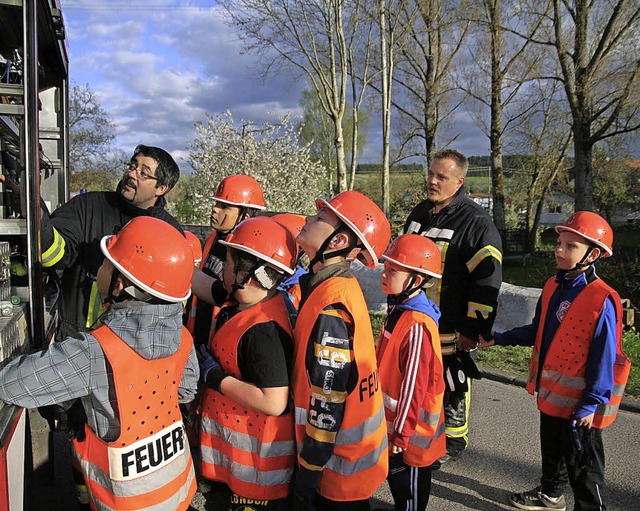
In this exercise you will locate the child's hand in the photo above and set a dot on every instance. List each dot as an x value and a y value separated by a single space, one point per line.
466 343
397 450
483 343
584 422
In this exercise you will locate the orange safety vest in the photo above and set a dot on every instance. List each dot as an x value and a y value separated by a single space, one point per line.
359 463
149 465
252 452
428 442
191 319
562 379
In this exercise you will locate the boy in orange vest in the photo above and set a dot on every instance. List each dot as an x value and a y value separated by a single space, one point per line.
411 374
237 197
130 374
578 368
247 443
340 426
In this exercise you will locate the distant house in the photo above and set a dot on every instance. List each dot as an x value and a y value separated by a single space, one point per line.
483 199
556 208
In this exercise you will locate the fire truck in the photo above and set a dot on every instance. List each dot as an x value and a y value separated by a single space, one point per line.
34 95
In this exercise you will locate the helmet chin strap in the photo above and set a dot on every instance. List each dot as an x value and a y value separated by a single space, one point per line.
322 255
408 291
580 264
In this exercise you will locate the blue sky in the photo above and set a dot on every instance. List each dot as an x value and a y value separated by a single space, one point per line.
158 67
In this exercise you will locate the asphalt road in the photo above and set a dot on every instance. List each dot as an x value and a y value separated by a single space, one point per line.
503 456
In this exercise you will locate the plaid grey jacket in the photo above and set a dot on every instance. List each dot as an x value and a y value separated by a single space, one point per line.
77 367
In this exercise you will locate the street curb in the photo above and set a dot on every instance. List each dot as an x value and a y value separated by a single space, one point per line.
628 404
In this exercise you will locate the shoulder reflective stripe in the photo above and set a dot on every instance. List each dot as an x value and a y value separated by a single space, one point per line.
349 468
95 307
140 485
414 227
424 442
301 416
247 443
147 455
480 255
472 307
245 473
573 382
55 252
438 234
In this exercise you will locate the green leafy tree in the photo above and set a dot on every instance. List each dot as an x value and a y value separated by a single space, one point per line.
270 152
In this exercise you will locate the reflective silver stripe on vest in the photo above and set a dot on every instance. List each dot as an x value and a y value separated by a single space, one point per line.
141 485
556 399
424 442
248 443
572 382
171 503
245 473
349 468
607 410
351 435
391 404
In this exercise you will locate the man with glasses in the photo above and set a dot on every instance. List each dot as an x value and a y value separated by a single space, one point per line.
71 235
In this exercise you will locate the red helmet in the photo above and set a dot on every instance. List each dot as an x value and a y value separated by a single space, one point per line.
196 246
240 190
365 219
416 253
266 239
291 221
592 227
154 255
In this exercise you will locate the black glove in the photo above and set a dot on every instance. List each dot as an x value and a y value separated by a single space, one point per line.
485 325
469 366
211 372
69 421
304 499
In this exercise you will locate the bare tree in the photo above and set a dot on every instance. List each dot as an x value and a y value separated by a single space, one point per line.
511 63
425 65
597 47
91 132
309 37
545 138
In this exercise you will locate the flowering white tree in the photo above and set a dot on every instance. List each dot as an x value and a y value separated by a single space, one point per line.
269 152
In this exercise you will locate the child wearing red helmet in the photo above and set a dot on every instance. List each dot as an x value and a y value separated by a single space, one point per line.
236 198
340 424
247 444
411 375
577 369
130 374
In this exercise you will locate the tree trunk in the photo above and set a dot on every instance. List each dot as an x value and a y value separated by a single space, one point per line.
497 76
385 55
583 168
341 165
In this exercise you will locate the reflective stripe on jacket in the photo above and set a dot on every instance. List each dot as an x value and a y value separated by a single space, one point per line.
562 378
149 465
428 442
250 451
359 462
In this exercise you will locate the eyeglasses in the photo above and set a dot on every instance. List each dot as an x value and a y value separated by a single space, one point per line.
142 174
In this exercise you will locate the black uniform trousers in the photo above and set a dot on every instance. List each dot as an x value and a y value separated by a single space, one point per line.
575 456
410 486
